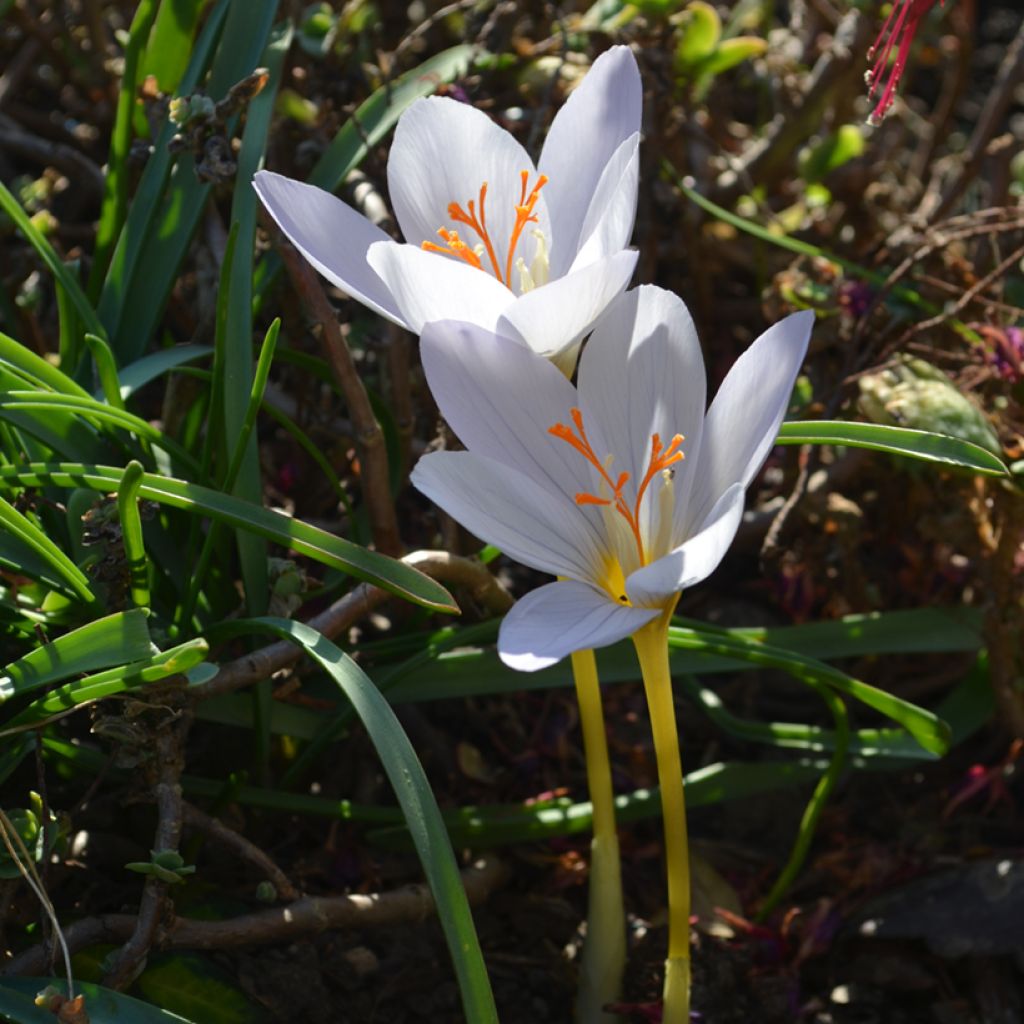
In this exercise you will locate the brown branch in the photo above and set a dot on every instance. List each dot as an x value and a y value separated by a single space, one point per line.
154 904
369 437
1011 73
305 917
241 846
440 565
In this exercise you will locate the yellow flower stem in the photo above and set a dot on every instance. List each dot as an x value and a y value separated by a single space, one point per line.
604 952
651 644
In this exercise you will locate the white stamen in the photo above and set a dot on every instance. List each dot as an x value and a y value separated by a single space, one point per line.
662 542
540 267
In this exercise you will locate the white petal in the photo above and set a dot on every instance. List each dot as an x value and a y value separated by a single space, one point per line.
694 560
500 399
563 617
331 235
642 373
596 119
503 507
609 221
429 287
442 153
744 418
552 319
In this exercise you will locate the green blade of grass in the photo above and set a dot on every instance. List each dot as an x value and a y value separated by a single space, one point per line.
72 580
419 808
131 533
914 444
71 696
112 640
64 278
36 369
115 192
305 539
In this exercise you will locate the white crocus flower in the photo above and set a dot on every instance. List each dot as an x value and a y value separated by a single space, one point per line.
623 488
531 253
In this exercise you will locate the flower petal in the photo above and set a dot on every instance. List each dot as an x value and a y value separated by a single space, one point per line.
428 287
599 115
442 153
563 617
503 507
500 399
331 235
692 561
744 419
609 221
553 319
642 373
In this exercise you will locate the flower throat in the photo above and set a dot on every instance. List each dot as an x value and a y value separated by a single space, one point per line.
474 216
660 461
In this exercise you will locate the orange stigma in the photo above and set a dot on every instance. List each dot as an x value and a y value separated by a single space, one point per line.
474 216
661 458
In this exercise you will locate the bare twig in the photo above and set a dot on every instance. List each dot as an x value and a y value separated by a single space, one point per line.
358 603
74 164
305 917
238 844
1011 73
369 436
153 903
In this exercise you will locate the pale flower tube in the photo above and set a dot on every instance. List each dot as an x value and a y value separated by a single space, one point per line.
530 253
622 488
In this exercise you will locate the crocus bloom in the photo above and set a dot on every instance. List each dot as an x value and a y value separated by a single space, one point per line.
899 28
623 488
531 253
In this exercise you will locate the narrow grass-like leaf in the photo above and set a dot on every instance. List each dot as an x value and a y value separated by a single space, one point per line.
147 201
416 799
930 731
170 41
914 444
115 192
64 278
34 368
90 410
104 1005
305 539
72 580
106 369
156 364
162 249
109 683
113 640
131 532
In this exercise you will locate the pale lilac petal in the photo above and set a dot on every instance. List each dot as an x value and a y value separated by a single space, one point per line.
552 319
609 221
428 287
500 399
642 373
563 617
503 507
331 235
693 561
442 153
599 115
744 419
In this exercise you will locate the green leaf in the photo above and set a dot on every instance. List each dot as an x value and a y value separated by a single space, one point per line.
192 985
35 369
156 364
730 53
700 32
64 278
836 149
59 701
416 800
113 640
22 534
104 1005
305 539
914 444
170 42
